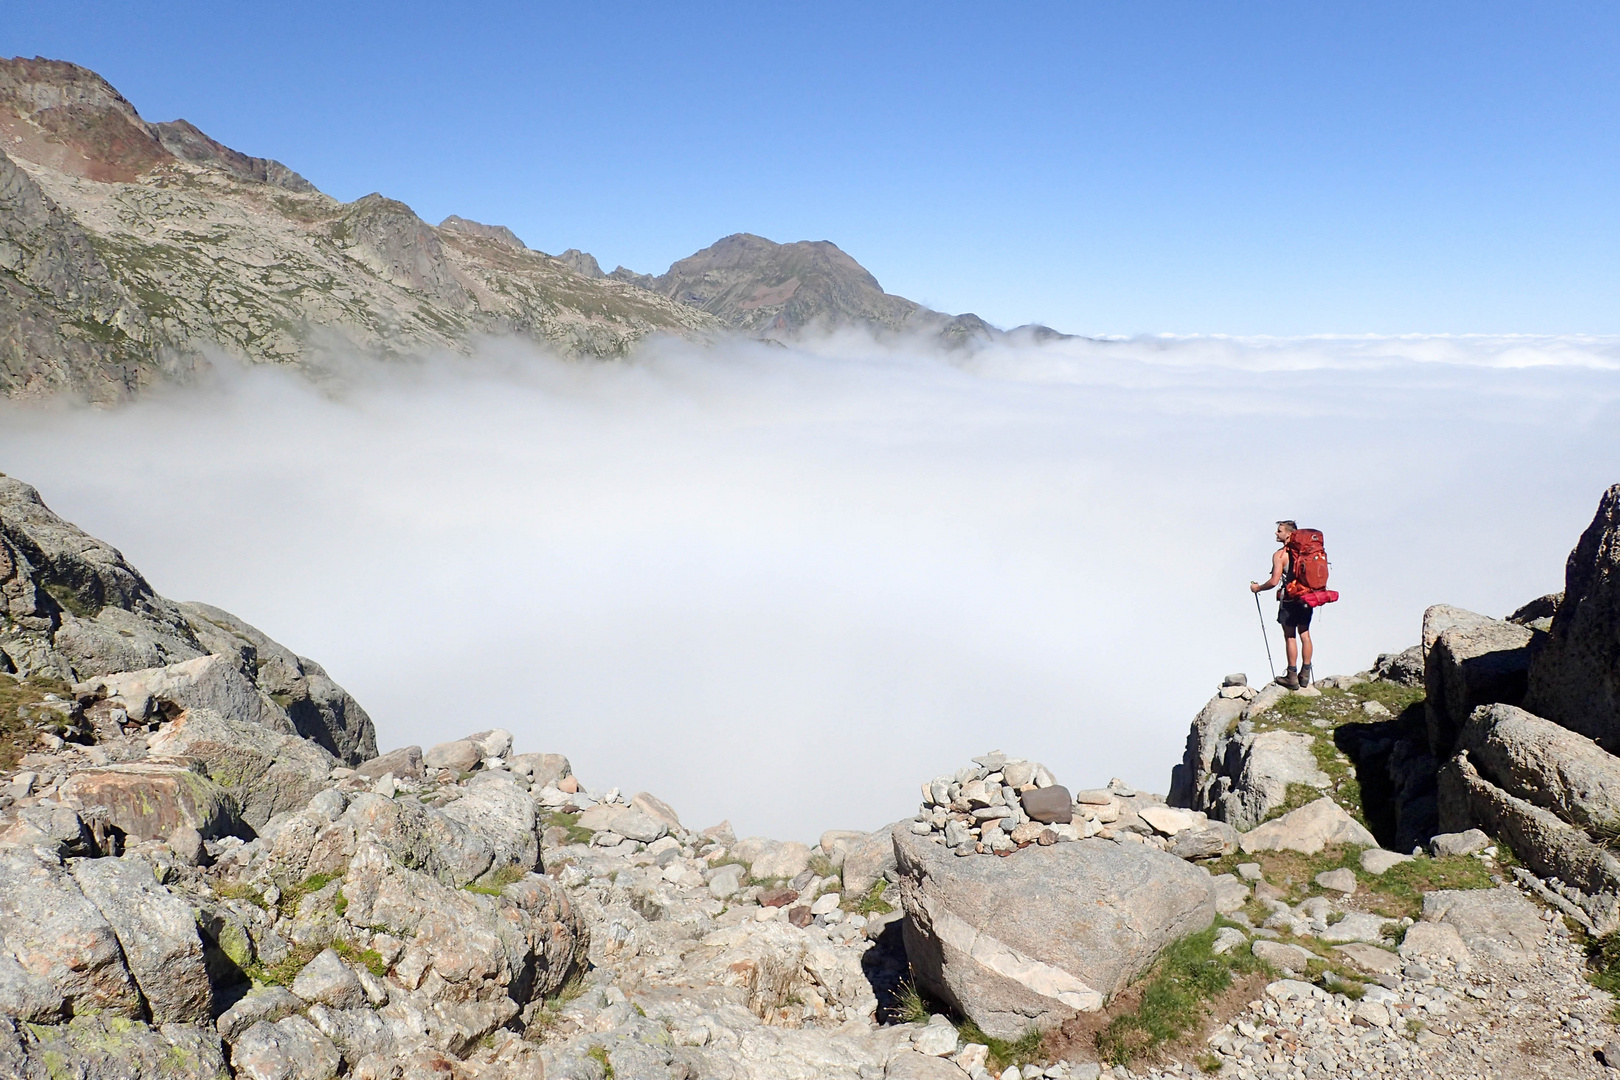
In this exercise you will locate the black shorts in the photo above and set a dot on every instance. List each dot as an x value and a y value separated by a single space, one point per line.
1294 614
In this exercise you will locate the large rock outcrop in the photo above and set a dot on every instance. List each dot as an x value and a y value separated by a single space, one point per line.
58 954
1031 939
1546 791
79 612
1235 773
1471 660
1574 676
1544 763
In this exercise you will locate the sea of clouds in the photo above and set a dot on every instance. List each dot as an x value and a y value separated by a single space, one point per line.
784 586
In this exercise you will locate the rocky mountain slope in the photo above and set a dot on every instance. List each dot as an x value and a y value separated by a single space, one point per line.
207 870
127 249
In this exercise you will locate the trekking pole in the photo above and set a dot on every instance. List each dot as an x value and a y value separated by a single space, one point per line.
1265 637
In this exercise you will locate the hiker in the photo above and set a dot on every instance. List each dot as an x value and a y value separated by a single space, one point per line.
1293 613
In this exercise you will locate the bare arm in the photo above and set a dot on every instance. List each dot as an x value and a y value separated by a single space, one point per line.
1279 559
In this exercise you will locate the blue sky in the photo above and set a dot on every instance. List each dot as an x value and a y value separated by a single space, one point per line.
1143 168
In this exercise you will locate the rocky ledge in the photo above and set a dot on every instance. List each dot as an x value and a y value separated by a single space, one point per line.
207 870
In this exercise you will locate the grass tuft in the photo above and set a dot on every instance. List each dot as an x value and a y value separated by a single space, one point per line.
493 882
570 823
294 895
1004 1053
1603 967
599 1055
283 972
1186 976
238 890
822 867
910 1007
870 904
16 697
1395 894
370 959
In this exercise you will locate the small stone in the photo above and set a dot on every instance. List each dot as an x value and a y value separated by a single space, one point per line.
1017 774
1265 890
726 881
462 755
1371 958
1377 860
1049 805
1376 710
1459 843
187 845
1369 1014
269 1003
1235 679
1047 838
1227 939
1275 953
777 897
935 1039
1610 1054
801 916
1249 871
1165 819
825 903
1028 832
971 1058
1341 880
328 981
1434 939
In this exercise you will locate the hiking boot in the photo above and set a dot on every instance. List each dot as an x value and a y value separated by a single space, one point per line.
1289 679
1305 675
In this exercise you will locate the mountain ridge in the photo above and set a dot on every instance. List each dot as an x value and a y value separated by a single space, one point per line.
131 250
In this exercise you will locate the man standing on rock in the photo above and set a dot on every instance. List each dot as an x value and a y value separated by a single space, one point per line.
1293 615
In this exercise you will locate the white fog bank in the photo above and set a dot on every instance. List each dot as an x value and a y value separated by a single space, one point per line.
785 586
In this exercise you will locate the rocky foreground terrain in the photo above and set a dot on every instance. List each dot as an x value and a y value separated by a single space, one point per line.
130 251
208 870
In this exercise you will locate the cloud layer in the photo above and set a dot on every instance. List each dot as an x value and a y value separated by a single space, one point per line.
785 586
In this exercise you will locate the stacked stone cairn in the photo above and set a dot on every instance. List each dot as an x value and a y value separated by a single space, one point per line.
998 804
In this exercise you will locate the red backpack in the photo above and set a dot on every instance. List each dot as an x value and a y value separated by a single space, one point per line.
1307 562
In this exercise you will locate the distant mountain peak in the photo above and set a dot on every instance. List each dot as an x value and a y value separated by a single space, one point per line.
182 139
489 232
71 119
68 117
763 287
582 263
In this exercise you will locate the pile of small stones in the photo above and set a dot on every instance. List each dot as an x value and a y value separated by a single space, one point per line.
999 804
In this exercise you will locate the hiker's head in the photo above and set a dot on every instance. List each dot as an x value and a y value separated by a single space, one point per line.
1285 529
